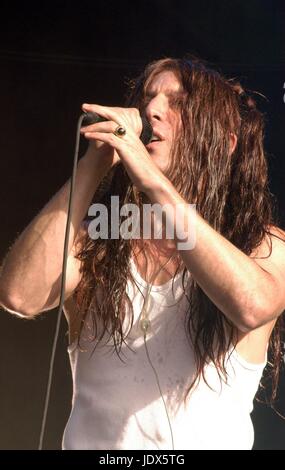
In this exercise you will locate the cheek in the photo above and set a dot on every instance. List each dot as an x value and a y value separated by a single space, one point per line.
175 125
173 136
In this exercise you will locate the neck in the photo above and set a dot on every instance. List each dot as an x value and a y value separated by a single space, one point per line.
161 245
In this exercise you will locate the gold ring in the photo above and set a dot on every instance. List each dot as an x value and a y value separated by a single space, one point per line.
120 131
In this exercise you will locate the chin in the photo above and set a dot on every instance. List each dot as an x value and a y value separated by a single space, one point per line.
160 161
161 164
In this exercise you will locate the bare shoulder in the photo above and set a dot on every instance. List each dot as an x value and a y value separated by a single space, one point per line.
270 256
272 247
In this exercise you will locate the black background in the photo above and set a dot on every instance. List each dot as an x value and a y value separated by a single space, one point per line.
53 58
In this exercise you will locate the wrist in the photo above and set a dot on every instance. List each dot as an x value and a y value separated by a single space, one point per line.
96 160
160 190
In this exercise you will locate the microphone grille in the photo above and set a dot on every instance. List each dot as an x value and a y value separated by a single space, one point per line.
147 130
91 118
146 135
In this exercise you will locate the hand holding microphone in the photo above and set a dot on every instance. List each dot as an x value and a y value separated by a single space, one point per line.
126 132
90 118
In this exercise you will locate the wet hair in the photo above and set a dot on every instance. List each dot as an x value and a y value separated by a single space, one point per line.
230 190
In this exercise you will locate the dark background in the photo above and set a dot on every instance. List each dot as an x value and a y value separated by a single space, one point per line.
53 58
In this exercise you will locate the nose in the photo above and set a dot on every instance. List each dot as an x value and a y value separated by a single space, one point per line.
157 108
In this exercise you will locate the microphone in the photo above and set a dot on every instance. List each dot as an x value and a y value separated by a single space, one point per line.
146 134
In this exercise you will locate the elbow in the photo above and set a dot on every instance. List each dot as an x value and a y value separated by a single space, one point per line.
262 306
255 316
17 306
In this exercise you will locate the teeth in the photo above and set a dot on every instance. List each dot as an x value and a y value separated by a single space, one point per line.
155 139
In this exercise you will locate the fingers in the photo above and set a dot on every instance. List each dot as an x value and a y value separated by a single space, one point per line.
104 111
127 117
104 126
106 137
104 131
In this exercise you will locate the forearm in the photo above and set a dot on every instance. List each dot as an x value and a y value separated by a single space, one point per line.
33 266
236 284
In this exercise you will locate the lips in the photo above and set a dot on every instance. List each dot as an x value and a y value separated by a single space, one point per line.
156 136
155 139
153 143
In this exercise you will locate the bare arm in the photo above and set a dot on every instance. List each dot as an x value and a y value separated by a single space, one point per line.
31 273
248 290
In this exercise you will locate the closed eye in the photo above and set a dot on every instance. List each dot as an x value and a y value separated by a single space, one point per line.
176 101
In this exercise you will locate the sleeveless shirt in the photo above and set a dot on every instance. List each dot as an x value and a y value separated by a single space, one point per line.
117 402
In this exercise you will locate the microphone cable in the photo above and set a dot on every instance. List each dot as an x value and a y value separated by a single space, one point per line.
62 289
88 118
145 328
145 325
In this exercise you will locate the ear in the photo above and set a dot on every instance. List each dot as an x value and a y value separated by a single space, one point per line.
233 142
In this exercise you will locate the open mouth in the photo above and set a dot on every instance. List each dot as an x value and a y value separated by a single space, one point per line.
155 138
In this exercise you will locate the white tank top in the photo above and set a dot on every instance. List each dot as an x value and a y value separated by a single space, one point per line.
117 403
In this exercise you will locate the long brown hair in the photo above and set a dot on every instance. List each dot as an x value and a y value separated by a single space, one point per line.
231 193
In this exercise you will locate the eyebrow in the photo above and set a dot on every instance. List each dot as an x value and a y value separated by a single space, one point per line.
169 94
